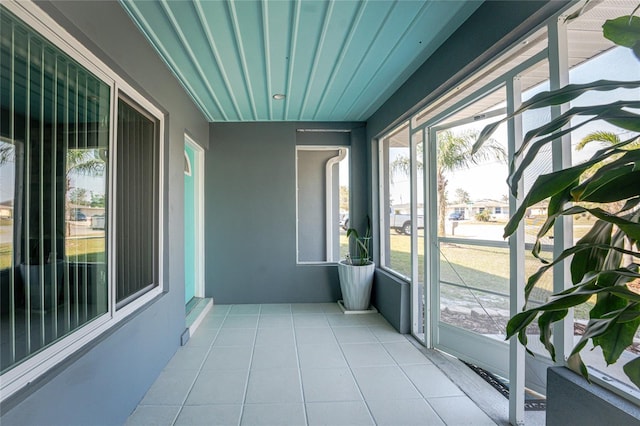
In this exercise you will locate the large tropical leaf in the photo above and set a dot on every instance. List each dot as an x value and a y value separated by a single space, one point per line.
620 330
607 186
550 184
535 147
544 187
557 97
626 164
632 370
624 31
545 323
569 252
593 257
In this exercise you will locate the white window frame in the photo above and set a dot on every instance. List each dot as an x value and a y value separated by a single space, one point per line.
343 151
382 166
35 366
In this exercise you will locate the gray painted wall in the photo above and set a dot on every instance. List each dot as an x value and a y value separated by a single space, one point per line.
250 197
105 383
389 293
494 26
573 400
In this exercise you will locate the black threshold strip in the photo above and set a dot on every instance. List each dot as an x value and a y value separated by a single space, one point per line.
531 402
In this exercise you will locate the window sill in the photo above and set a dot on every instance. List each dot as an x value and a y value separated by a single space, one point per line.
31 375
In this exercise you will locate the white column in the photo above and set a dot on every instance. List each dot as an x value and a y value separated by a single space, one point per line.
561 152
516 260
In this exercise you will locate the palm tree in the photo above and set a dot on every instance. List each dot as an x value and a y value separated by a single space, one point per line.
454 153
7 152
606 138
86 162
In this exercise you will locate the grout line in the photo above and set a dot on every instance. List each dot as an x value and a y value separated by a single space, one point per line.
246 384
403 372
295 345
353 376
415 343
201 365
227 315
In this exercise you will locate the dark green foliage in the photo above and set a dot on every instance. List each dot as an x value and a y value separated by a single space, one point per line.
607 186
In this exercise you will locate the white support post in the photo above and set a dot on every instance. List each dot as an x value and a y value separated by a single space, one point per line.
413 189
431 255
561 154
426 258
517 270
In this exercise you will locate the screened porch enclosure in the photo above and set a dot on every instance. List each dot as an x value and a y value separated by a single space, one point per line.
475 276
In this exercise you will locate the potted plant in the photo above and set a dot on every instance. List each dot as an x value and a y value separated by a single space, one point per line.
356 273
607 186
40 277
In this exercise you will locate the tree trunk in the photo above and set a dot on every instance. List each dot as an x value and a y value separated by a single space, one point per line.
442 203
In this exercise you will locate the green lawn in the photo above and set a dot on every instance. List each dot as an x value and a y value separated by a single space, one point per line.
79 250
5 255
480 267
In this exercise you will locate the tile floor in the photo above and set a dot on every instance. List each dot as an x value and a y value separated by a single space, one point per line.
301 364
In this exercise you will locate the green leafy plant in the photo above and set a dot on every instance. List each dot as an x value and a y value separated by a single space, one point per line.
605 260
483 216
362 246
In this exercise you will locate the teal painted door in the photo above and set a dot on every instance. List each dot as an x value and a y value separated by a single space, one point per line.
190 265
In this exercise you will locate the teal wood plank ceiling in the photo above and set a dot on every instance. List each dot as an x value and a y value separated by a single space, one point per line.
333 60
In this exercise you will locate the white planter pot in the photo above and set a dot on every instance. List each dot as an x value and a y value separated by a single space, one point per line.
39 281
355 284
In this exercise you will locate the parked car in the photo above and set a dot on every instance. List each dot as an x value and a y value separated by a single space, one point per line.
401 223
77 215
456 216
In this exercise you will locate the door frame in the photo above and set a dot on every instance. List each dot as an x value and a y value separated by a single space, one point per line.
197 172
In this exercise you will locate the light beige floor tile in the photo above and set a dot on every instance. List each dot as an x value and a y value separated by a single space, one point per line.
218 387
275 309
228 358
273 414
384 383
405 353
430 381
275 385
209 415
275 336
153 415
170 388
329 384
321 356
348 413
460 410
406 412
367 355
274 356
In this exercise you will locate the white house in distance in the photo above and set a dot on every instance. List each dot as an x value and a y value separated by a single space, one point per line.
499 210
6 209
